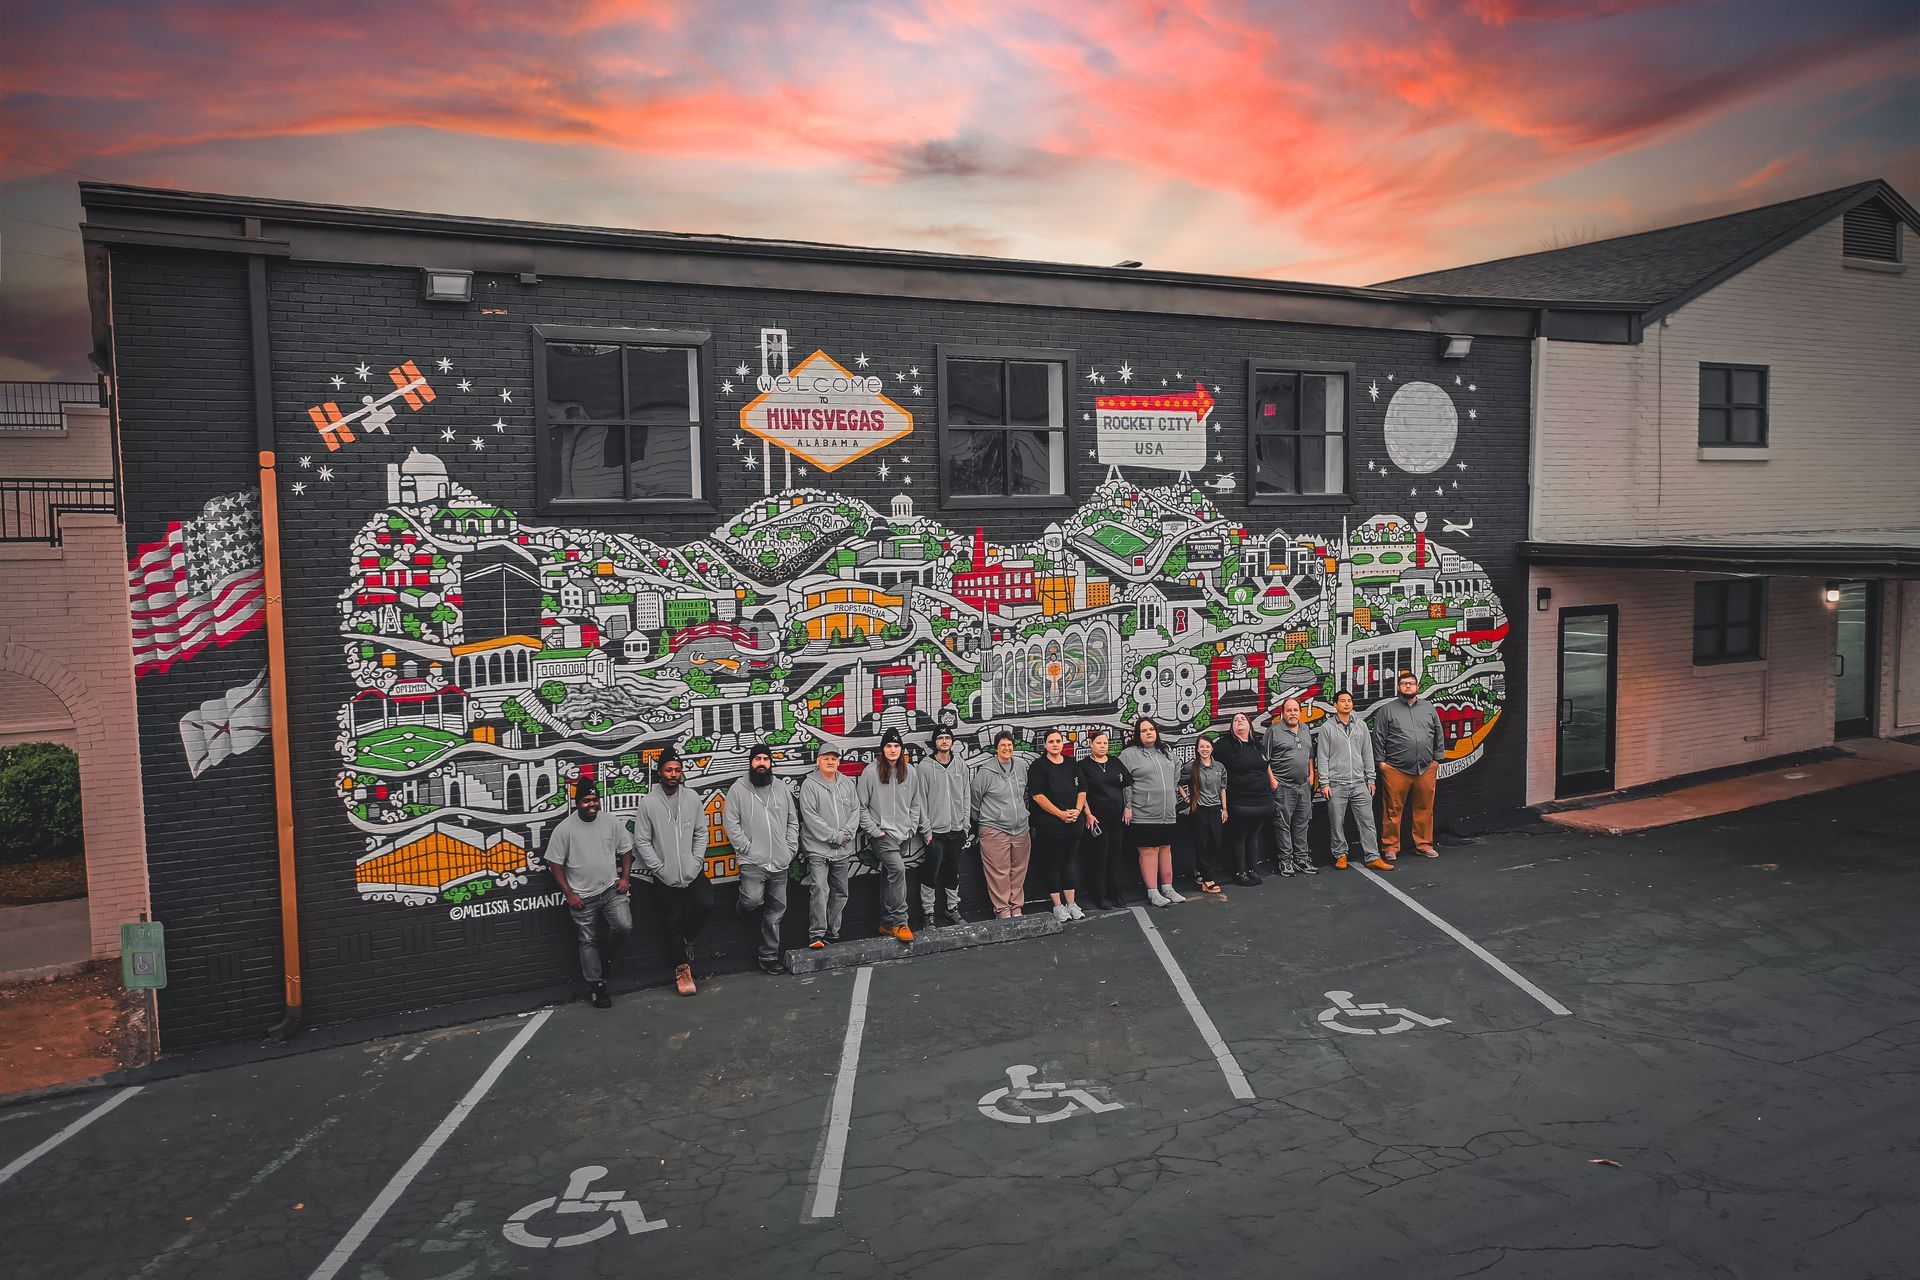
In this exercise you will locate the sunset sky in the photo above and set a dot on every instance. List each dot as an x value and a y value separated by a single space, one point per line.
1344 142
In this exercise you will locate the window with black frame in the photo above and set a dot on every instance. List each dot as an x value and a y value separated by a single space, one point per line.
1004 427
1733 404
621 421
1727 621
1297 433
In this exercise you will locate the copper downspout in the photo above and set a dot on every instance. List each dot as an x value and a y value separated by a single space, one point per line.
282 748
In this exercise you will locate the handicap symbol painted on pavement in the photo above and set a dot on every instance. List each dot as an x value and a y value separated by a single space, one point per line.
1344 1008
1021 1089
616 1208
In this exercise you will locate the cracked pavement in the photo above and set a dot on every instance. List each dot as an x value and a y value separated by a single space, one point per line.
1744 1043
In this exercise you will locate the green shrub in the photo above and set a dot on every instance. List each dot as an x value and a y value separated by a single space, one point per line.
39 801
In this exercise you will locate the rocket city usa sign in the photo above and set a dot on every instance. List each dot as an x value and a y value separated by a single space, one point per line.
1165 431
824 414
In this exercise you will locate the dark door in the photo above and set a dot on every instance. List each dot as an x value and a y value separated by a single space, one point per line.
1855 660
1585 712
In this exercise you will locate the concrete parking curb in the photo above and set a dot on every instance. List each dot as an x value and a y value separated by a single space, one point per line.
980 933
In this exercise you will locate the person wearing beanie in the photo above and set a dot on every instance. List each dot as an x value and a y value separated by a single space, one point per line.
763 825
890 816
592 862
829 823
670 839
945 809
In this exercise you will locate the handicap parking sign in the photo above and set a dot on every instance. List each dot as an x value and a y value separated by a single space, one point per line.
143 956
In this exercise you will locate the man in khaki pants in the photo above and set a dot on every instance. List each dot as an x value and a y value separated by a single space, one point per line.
999 796
1408 741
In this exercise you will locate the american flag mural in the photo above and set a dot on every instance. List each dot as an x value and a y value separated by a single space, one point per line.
199 585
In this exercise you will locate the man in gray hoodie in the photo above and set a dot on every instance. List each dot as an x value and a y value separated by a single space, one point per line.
946 809
1343 757
763 825
670 839
1409 740
890 816
829 821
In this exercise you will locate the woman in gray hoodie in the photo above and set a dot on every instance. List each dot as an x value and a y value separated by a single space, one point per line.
890 815
1150 808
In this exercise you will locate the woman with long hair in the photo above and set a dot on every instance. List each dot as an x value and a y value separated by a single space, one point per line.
1207 813
1059 801
1250 786
1151 808
1106 779
890 816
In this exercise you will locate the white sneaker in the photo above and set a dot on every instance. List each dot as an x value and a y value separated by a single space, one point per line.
1166 891
1073 909
1061 913
1158 898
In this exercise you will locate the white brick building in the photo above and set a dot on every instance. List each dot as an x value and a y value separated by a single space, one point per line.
1725 527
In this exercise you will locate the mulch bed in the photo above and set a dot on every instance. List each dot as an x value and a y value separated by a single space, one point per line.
34 880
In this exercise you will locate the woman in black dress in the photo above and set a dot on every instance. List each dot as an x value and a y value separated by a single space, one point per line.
1104 845
1250 786
1058 801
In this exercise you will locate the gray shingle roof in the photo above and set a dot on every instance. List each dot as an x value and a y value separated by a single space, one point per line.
1651 268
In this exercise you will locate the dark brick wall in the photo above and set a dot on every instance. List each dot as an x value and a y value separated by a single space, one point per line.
183 369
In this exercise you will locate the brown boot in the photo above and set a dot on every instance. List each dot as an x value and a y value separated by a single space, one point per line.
1379 864
683 979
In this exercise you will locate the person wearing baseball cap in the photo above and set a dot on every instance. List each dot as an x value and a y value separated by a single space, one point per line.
592 861
829 824
946 808
763 825
890 815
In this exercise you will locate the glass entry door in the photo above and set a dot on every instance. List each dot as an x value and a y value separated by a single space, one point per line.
1585 710
1854 660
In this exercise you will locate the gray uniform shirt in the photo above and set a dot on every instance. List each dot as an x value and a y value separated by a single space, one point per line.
945 793
1213 785
1289 752
1155 793
890 812
589 852
1000 795
1343 752
763 824
1408 737
829 816
670 836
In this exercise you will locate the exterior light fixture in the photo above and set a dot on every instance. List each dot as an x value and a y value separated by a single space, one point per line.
1832 593
1541 597
439 284
1455 346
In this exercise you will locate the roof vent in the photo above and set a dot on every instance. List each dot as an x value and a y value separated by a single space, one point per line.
1872 231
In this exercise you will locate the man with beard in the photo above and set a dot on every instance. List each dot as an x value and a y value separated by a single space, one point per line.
829 821
592 861
670 837
1409 742
763 824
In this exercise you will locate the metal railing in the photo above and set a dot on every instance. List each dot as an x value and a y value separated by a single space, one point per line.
41 406
30 510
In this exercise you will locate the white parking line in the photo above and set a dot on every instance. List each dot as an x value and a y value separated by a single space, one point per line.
1553 1006
360 1230
1229 1067
68 1132
832 1156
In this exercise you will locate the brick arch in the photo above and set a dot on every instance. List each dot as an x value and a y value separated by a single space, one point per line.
88 721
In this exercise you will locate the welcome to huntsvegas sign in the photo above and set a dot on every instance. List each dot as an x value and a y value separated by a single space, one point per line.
824 414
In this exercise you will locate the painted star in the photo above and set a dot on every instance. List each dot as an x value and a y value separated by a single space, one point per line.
299 486
1439 492
1389 377
1461 465
1163 382
885 471
1216 426
726 388
466 384
444 363
1472 387
1456 380
499 425
914 372
478 443
1413 493
906 479
1373 389
1086 417
916 389
1126 372
1092 453
752 462
306 460
337 381
1093 375
1473 414
326 473
363 371
803 473
447 434
860 361
1456 484
1178 374
506 396
1216 388
737 441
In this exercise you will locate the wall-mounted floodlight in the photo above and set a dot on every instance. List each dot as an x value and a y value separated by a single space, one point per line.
1455 346
1542 597
1832 593
444 285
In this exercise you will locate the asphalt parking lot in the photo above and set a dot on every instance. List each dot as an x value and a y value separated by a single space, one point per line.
1740 1046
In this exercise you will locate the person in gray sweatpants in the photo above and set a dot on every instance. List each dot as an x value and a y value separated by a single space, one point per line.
829 821
1343 756
890 816
763 825
1290 756
946 809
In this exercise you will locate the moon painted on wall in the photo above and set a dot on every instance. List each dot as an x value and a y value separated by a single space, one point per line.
1422 426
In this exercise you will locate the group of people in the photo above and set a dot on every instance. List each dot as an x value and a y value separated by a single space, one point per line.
1071 823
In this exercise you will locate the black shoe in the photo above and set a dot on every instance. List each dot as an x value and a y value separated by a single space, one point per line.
952 917
832 938
773 968
597 993
1248 879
